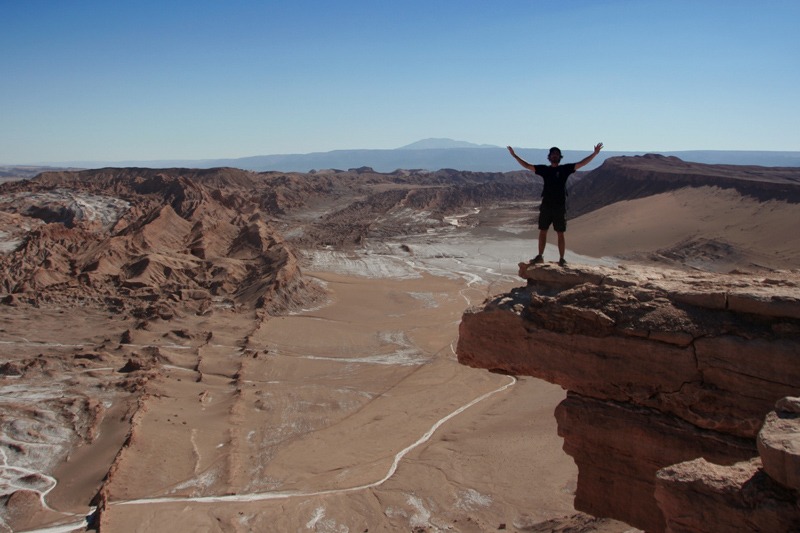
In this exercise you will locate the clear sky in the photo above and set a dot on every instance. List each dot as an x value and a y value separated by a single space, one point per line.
170 79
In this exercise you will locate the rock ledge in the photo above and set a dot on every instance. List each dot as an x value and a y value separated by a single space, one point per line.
663 368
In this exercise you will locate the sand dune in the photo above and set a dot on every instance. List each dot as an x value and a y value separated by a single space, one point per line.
707 228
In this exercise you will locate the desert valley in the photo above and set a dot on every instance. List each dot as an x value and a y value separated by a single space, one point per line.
227 350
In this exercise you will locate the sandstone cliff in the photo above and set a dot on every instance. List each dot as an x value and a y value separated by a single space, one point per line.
670 376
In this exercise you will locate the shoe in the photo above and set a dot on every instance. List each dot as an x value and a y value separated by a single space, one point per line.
562 262
538 259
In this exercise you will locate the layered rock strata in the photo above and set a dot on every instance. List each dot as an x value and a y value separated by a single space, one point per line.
664 369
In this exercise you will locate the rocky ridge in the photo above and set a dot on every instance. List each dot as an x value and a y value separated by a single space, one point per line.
626 178
198 238
145 240
670 377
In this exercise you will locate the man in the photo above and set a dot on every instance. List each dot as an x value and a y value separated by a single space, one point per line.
553 209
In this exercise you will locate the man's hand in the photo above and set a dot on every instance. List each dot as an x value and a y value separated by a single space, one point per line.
586 160
521 161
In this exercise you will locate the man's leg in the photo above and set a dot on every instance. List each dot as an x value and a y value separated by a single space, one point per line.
562 244
542 241
545 219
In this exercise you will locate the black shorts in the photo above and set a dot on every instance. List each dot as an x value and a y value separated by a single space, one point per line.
553 214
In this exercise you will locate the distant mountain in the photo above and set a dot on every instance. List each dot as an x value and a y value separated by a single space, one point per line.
476 158
443 144
438 153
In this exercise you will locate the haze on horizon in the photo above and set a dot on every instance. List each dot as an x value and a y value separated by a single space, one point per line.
200 80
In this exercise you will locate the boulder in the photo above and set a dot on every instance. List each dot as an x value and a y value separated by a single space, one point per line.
779 443
701 497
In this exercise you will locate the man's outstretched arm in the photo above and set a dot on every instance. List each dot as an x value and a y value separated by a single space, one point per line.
520 160
586 160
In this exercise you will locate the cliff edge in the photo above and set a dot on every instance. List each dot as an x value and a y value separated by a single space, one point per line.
680 413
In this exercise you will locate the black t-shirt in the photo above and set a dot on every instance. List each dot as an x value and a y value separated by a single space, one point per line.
555 182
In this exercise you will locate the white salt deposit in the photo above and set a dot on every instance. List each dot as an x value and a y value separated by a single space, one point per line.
469 499
85 206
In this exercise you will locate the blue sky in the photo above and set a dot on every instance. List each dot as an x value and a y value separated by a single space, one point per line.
145 80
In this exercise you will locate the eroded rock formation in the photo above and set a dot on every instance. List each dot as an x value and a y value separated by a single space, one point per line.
167 239
670 377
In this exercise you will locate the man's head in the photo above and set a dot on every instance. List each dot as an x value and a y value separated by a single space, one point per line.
555 155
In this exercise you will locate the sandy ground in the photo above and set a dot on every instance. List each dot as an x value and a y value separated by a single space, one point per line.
350 417
705 228
369 423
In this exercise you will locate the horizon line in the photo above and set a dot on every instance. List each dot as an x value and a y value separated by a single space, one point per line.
77 162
